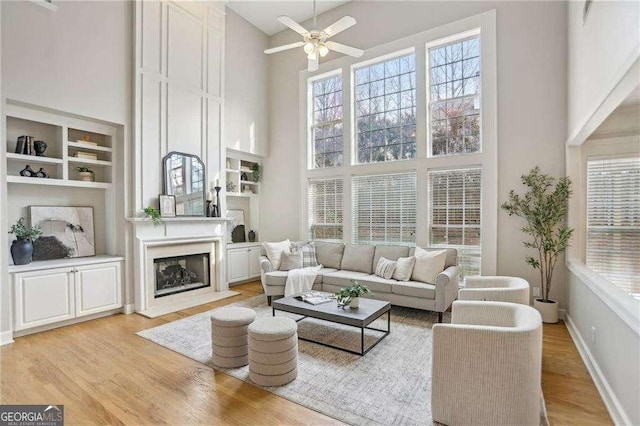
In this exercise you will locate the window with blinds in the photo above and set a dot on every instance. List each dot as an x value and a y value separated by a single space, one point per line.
326 125
613 221
384 209
454 101
385 110
455 215
325 209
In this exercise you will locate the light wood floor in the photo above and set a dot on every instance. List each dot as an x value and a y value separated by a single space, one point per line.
104 374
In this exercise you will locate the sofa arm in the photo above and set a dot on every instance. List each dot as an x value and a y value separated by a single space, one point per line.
265 264
446 288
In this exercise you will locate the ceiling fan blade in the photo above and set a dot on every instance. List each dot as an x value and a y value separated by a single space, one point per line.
340 25
342 48
284 47
313 64
292 24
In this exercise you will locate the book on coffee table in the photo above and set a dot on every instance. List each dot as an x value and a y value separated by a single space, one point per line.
314 297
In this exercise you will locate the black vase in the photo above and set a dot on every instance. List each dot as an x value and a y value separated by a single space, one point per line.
21 251
252 236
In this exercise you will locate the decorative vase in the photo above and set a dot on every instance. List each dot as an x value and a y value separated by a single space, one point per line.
548 310
252 236
21 251
355 302
86 176
40 147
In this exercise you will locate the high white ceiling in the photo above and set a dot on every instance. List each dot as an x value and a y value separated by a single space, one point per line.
263 14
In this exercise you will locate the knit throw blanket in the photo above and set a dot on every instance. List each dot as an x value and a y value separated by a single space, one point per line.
300 280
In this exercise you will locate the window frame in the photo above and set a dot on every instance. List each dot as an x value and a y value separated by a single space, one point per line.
310 126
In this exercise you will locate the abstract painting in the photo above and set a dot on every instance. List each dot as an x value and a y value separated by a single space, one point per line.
66 232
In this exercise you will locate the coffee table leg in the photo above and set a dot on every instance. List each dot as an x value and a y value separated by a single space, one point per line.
389 321
362 341
273 311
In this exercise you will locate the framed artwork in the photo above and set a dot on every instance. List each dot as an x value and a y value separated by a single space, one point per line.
66 232
167 205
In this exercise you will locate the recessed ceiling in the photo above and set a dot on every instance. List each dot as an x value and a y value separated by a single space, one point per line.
263 14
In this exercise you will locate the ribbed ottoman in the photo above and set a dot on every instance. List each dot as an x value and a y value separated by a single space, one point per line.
273 351
229 336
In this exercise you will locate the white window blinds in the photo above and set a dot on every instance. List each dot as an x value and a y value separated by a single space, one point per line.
455 215
325 209
384 209
613 221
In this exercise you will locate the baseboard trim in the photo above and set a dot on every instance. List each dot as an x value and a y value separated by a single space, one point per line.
129 308
562 314
616 411
6 337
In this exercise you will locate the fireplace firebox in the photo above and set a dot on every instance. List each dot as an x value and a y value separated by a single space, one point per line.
178 274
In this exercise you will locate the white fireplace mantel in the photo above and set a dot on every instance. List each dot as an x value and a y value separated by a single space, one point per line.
176 232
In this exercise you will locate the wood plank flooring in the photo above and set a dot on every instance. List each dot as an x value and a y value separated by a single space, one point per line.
104 374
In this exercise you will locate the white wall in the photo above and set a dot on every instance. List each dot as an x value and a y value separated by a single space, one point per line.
246 114
77 59
531 52
600 51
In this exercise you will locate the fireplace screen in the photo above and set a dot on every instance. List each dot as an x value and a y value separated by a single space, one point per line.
181 273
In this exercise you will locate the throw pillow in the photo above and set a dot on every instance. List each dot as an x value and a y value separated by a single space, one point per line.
404 268
385 268
428 265
289 261
274 252
308 253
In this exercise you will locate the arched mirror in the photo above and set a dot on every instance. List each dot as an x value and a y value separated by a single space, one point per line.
184 178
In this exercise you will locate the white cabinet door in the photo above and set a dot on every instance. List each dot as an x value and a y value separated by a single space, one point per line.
43 297
238 265
98 288
254 262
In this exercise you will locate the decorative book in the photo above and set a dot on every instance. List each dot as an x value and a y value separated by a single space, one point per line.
314 298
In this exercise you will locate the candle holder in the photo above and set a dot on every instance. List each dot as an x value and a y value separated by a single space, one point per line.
208 212
217 210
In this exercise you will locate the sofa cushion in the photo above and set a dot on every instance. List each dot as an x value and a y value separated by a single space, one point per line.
321 274
343 278
277 278
414 289
328 254
452 255
404 268
377 284
385 268
274 252
308 253
292 260
358 258
390 252
428 265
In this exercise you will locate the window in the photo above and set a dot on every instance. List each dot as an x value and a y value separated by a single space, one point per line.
613 221
454 215
385 110
326 126
325 209
455 97
384 208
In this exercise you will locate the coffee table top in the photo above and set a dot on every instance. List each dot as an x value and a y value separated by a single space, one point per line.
368 311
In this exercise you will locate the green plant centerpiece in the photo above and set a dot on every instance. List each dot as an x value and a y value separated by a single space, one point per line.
22 246
544 208
257 172
351 295
86 174
153 214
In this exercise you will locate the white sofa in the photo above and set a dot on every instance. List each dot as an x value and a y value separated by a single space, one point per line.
486 365
497 289
344 263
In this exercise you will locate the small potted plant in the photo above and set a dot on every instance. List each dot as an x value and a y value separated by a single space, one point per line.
86 174
351 295
22 246
153 214
544 208
257 172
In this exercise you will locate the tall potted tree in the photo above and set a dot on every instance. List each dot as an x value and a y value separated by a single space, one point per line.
543 207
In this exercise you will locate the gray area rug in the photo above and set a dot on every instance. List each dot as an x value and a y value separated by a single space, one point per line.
391 385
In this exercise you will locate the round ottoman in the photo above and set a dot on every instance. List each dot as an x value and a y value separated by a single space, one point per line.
273 351
229 336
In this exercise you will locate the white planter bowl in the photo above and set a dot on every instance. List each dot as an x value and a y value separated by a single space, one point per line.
355 302
548 310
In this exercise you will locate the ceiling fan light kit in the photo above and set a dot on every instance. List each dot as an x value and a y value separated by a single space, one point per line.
315 43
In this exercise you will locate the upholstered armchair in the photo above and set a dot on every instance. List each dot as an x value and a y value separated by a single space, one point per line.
486 365
497 289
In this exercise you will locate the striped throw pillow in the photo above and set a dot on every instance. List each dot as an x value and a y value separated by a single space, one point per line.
308 253
385 268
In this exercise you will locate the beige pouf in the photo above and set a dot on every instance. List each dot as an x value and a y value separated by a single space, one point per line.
229 330
273 351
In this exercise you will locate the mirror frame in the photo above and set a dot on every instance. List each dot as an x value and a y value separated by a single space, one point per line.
165 180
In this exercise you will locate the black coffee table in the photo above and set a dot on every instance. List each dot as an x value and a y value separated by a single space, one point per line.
369 311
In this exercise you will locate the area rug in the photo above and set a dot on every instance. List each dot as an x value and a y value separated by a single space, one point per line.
390 385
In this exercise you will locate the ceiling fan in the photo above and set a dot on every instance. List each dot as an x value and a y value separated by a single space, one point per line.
315 42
